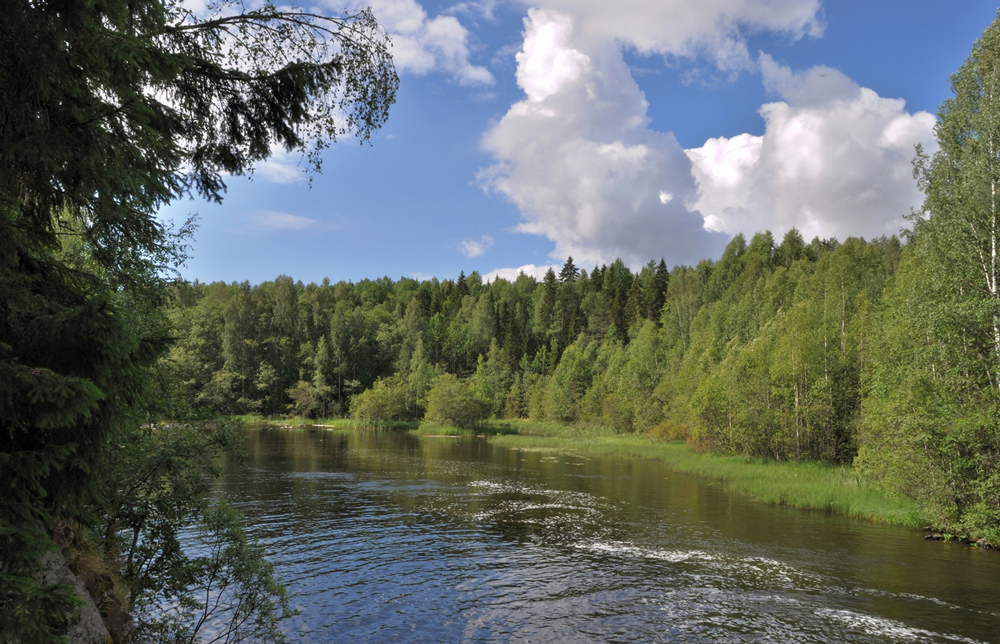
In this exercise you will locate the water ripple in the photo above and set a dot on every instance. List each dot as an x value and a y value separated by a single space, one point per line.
384 543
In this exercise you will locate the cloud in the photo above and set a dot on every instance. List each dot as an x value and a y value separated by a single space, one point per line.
273 221
578 159
421 44
476 8
834 160
577 156
713 29
511 274
281 168
474 248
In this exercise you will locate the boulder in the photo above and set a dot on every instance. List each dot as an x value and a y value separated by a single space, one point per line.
88 628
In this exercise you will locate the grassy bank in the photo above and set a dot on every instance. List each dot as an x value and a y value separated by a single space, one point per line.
810 485
489 429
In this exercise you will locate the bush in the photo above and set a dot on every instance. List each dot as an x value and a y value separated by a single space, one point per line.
387 401
452 402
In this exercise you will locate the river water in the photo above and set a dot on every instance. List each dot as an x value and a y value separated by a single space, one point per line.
387 537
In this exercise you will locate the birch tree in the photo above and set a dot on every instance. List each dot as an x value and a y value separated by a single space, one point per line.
932 414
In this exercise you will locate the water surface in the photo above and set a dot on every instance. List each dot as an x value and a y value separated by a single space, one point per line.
387 537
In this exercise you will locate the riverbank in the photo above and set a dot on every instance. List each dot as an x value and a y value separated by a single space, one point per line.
808 486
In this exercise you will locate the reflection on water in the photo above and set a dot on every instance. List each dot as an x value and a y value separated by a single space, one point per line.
385 537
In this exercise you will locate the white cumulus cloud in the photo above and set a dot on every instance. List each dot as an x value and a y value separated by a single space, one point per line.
476 247
834 160
578 158
511 274
714 29
422 44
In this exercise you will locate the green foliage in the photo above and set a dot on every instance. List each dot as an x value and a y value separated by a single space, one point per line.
184 559
229 590
492 380
452 401
932 410
385 402
108 111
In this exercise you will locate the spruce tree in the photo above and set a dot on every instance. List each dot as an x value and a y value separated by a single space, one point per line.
108 111
569 272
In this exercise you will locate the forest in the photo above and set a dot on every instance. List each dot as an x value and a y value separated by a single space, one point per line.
759 353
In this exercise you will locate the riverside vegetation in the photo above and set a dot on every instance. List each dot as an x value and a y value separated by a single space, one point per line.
879 355
777 351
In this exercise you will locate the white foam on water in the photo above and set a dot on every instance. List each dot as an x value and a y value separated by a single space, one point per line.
672 556
887 627
933 600
492 485
788 575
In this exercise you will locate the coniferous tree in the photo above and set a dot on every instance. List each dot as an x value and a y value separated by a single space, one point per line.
545 310
569 272
657 295
108 111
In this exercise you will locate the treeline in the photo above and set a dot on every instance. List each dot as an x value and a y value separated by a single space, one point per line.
866 352
760 353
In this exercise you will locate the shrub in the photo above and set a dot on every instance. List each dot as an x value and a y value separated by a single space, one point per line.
452 402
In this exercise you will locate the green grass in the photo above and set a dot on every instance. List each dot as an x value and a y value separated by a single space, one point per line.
808 485
489 428
434 429
295 421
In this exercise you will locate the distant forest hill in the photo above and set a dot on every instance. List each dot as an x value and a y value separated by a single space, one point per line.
760 353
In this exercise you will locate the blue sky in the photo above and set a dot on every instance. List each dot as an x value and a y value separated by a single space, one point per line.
524 132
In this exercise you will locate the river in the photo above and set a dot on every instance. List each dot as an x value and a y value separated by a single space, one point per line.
387 537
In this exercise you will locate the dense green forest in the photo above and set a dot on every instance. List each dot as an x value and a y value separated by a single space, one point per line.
779 350
759 353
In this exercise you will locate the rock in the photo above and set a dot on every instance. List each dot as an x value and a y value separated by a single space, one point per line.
935 537
120 624
89 628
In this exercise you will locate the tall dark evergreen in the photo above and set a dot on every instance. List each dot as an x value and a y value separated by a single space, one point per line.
569 272
108 111
658 295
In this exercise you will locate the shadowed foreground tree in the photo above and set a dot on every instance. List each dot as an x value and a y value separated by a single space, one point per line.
109 110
